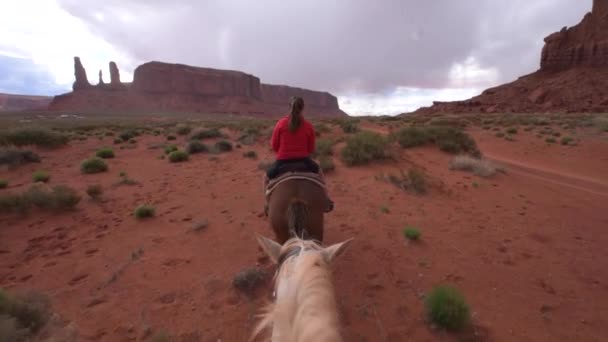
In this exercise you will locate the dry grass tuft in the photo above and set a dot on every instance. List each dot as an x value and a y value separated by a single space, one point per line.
479 167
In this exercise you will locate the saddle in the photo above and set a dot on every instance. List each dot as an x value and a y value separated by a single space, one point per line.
315 178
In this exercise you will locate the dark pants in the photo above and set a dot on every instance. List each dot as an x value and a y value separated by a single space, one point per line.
281 166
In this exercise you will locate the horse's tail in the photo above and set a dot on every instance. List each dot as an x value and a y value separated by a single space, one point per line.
297 218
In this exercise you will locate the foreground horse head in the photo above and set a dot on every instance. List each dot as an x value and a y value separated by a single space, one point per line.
305 307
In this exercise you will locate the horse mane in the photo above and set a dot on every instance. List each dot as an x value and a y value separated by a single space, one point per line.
305 307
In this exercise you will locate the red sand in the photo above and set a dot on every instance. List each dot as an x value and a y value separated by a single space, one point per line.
528 252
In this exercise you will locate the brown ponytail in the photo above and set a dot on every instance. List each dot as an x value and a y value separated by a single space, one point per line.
295 117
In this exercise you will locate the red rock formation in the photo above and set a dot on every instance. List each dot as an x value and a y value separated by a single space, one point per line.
115 77
181 88
573 75
11 102
100 82
81 76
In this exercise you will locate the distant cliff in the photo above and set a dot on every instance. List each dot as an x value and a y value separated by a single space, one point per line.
573 75
181 88
12 102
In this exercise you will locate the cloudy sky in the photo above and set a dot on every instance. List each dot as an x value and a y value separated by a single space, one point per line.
378 57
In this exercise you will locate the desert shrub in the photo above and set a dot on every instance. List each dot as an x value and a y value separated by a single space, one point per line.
413 181
196 147
171 137
479 167
105 153
93 165
94 191
3 183
170 148
109 134
566 140
41 176
321 128
128 134
363 148
132 141
447 308
512 130
144 211
557 134
601 122
33 136
411 233
499 135
223 146
250 154
14 157
541 122
201 134
324 147
349 126
183 129
448 139
248 280
22 316
529 128
326 164
178 156
118 141
509 138
550 140
59 197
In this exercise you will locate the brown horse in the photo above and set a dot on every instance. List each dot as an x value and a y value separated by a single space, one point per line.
296 209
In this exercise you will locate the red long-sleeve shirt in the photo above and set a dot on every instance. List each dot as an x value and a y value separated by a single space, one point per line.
293 145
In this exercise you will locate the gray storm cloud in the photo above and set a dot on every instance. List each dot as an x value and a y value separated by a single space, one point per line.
341 46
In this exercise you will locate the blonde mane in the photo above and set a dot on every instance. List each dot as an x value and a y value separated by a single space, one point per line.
305 306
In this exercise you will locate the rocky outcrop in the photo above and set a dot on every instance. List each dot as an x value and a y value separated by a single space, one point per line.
164 87
100 82
11 102
80 74
573 75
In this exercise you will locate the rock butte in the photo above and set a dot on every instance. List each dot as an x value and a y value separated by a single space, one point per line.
164 87
13 102
573 75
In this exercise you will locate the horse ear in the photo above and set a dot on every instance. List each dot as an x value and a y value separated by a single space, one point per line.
271 248
332 252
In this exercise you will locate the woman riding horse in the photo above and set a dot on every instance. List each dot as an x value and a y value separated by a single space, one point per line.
293 141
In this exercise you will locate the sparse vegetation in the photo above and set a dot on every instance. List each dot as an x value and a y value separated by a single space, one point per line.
57 198
144 211
479 167
512 130
178 156
567 140
40 137
411 233
14 157
196 147
41 176
183 129
447 308
117 141
170 148
94 191
385 210
171 137
105 153
201 134
448 139
248 280
326 164
93 165
223 146
128 134
550 140
22 316
324 147
3 183
250 154
601 122
363 148
349 126
414 181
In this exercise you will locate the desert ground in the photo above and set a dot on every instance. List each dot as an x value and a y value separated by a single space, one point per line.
526 245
